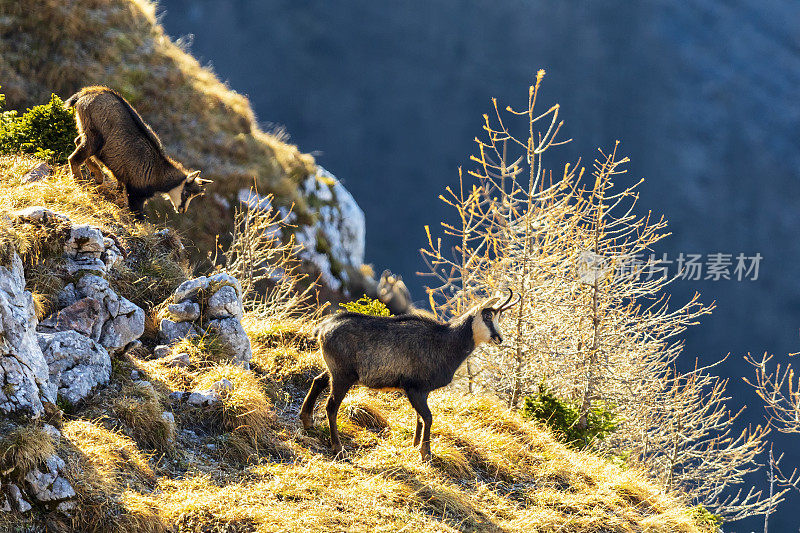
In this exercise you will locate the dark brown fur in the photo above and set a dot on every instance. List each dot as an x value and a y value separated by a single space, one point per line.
112 132
412 352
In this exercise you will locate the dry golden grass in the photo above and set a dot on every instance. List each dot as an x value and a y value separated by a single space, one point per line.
140 409
23 448
110 476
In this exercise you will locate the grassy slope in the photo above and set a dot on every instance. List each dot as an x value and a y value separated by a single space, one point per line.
247 466
61 46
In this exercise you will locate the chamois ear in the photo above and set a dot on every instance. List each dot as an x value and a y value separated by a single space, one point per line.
490 302
202 181
191 176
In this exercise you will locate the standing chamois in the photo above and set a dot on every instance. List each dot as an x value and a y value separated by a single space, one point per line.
113 133
413 353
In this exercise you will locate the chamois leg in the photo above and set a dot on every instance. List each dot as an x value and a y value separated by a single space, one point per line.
417 432
135 203
77 158
95 171
87 145
307 411
339 388
419 401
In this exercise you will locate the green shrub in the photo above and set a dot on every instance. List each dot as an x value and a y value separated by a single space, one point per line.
704 517
367 306
46 131
562 417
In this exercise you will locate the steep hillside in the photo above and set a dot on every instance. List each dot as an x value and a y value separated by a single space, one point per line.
137 455
62 46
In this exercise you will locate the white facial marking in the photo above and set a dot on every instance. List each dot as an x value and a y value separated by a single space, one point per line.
480 331
175 195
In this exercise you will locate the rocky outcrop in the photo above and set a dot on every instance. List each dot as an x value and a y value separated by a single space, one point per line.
67 354
77 363
335 243
89 305
24 376
209 305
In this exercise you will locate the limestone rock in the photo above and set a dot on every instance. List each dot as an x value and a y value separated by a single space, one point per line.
84 238
37 173
184 311
224 303
24 376
202 398
170 331
18 503
162 350
232 335
179 360
77 363
222 385
49 486
189 289
39 214
82 316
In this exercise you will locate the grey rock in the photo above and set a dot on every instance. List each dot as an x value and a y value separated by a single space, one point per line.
178 396
120 320
69 505
233 337
202 398
169 423
162 350
23 368
77 364
222 385
4 505
170 331
179 360
54 433
189 289
49 485
184 311
225 303
145 386
82 316
221 278
135 375
39 214
124 328
85 264
84 238
17 502
37 173
67 296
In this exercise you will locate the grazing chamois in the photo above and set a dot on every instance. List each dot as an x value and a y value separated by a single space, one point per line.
112 132
413 353
394 293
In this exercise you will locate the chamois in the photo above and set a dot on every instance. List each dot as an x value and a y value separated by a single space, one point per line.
413 353
112 132
394 293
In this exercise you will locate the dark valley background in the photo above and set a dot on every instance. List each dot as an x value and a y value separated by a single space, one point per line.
703 96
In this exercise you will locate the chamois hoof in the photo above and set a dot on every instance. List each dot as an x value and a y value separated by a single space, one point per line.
306 420
340 454
426 454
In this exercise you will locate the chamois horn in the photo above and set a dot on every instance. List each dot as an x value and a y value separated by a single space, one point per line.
505 305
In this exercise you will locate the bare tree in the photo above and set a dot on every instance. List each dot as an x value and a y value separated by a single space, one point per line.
595 322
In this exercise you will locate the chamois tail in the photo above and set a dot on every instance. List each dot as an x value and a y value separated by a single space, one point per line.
70 102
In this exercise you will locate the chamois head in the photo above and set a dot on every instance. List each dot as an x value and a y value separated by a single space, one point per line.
484 319
189 188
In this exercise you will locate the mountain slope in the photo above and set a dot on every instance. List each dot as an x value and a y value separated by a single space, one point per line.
62 46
